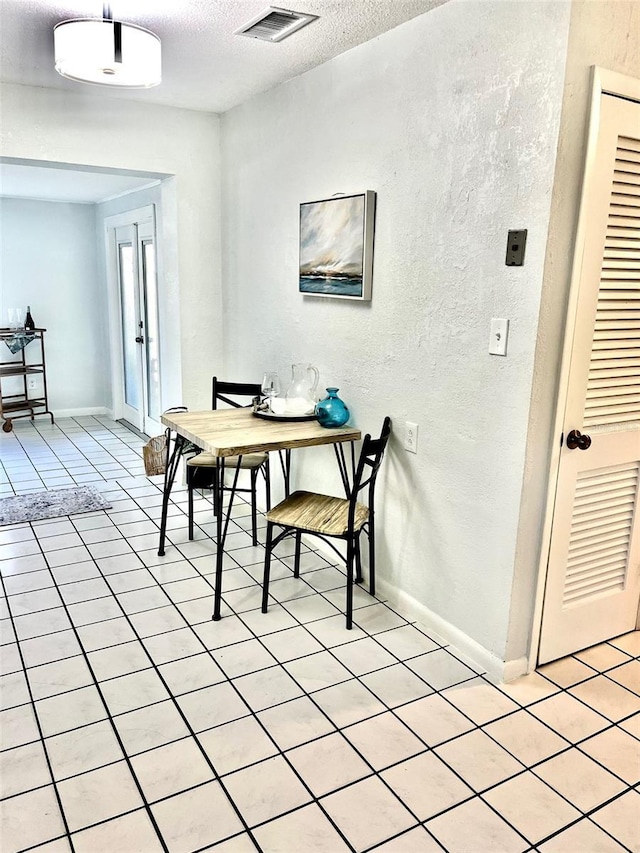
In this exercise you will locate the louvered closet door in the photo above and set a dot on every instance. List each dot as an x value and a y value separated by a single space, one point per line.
593 580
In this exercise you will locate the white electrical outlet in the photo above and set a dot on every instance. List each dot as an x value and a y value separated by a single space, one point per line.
32 383
411 437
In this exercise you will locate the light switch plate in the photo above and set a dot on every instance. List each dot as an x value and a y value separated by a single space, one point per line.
516 243
498 336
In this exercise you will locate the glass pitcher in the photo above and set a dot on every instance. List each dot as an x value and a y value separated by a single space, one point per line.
301 393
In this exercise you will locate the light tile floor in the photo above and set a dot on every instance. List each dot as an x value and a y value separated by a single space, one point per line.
132 722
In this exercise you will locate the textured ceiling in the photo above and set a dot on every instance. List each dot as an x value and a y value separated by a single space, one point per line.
205 67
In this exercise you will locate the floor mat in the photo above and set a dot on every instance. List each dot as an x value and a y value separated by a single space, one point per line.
49 504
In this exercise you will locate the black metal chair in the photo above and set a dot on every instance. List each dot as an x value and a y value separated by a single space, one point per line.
202 470
333 518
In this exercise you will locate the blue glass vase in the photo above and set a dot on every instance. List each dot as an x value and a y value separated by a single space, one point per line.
332 412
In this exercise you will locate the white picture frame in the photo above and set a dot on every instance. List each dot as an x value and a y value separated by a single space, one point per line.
336 246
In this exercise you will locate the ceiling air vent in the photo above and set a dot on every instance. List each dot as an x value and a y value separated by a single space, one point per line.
275 24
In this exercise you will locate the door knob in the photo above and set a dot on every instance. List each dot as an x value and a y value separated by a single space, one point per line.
576 439
139 340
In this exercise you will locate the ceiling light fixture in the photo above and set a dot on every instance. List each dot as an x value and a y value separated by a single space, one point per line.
107 52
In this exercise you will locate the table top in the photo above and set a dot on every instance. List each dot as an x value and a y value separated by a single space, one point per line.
233 432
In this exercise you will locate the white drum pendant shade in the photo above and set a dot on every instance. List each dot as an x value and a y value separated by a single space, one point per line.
108 53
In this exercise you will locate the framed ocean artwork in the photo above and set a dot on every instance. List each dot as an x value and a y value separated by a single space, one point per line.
336 246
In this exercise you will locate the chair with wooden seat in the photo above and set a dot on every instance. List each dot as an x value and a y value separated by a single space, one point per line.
333 518
203 471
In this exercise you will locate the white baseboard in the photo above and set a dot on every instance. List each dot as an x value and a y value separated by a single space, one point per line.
81 413
515 668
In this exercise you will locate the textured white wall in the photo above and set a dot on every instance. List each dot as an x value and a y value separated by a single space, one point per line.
604 34
452 119
95 130
48 261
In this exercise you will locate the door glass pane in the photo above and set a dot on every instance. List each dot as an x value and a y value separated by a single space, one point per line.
129 330
152 337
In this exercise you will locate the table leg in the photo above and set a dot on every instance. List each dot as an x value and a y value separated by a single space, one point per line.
221 532
285 464
170 469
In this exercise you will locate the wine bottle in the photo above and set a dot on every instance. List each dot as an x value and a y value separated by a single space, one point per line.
29 325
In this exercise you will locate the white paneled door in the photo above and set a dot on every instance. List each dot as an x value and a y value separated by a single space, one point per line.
593 578
134 254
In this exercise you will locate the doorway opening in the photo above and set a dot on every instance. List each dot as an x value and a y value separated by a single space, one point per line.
88 195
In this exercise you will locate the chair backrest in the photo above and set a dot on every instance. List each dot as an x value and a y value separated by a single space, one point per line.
246 390
368 466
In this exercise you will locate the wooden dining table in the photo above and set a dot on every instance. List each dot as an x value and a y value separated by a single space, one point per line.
236 432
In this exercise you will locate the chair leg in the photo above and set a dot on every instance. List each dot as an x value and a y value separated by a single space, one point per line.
296 559
372 556
267 567
215 488
267 482
254 508
358 561
190 503
350 559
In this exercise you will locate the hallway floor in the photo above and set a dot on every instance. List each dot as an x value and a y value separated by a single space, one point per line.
132 723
